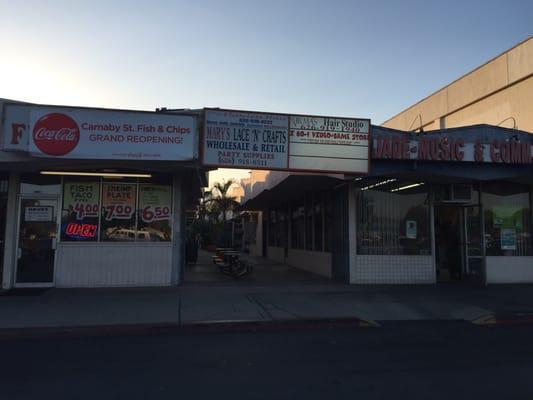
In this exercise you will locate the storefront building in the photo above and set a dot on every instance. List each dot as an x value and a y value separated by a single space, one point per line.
449 205
94 197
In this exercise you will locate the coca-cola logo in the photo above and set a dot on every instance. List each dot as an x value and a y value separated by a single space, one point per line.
56 134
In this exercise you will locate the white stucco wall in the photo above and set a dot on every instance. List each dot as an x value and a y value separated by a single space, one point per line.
396 269
312 261
509 269
276 254
86 265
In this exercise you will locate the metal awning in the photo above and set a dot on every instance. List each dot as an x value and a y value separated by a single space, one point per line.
294 186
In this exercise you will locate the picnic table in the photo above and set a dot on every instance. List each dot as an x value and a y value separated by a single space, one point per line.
229 262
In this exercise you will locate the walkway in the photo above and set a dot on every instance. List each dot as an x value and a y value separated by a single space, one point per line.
265 272
193 304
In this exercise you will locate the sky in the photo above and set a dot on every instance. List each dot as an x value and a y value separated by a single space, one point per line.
368 59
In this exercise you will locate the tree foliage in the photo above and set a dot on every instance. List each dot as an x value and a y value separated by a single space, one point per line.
221 201
212 214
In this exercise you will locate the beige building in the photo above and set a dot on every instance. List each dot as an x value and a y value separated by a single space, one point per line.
237 192
499 92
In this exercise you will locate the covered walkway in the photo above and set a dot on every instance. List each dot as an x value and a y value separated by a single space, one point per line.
265 272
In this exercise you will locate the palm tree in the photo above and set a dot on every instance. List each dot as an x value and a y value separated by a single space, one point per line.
205 208
221 201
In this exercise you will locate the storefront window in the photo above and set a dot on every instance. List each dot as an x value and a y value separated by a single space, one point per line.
317 218
272 227
393 219
328 220
125 211
79 218
154 213
119 201
283 226
507 219
309 222
297 224
277 228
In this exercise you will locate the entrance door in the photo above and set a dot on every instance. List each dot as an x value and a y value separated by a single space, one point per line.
36 242
448 242
474 245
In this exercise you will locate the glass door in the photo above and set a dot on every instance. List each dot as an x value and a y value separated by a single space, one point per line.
36 242
474 245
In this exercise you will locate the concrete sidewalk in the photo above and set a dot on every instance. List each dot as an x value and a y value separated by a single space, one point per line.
202 304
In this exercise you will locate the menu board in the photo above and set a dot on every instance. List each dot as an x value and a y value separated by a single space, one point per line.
118 201
155 202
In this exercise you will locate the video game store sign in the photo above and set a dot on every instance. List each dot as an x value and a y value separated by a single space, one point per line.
445 146
238 139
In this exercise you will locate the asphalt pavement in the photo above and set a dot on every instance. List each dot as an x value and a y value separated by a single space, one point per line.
399 360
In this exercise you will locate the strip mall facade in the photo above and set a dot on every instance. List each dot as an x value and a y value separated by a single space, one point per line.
446 205
96 198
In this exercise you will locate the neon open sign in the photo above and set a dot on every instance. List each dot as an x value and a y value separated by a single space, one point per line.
83 230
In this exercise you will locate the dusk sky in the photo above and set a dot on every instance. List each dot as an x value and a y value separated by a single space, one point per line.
344 58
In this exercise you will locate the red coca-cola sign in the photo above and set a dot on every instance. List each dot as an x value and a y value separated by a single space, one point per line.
56 134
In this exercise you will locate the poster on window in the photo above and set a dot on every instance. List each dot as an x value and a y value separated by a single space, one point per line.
79 221
38 214
508 239
81 199
118 201
154 203
118 212
410 229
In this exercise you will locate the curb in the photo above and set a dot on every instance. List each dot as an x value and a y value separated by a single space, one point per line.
504 319
194 327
